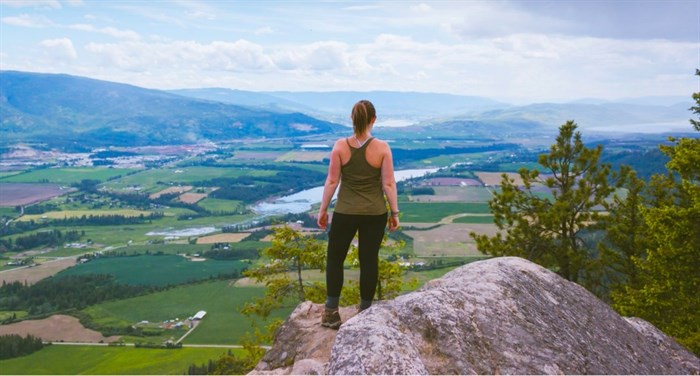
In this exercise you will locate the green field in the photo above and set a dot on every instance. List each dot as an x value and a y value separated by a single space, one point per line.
66 175
103 360
6 211
435 211
157 179
155 270
217 204
223 324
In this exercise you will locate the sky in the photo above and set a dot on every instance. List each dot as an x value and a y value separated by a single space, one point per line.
517 51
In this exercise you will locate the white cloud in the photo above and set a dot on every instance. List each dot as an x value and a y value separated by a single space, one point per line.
111 31
25 20
61 48
53 4
421 8
216 56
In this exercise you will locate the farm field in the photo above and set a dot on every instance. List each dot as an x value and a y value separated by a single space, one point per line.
79 213
494 178
449 240
36 273
13 194
154 179
473 219
66 176
56 328
255 155
455 194
217 204
192 198
168 190
8 211
434 212
303 156
160 270
223 238
102 360
222 300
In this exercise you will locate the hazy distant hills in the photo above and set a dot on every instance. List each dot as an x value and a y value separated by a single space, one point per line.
644 114
61 110
338 104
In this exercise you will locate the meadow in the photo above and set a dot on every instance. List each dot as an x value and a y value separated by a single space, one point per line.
162 270
222 300
103 360
67 175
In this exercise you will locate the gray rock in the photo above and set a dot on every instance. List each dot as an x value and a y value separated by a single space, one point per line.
499 316
302 346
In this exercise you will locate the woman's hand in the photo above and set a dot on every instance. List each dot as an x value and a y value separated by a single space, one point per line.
322 221
393 222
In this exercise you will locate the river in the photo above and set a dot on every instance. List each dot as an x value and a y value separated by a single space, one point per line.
303 201
299 202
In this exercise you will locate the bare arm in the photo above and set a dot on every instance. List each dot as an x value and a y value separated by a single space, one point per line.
389 186
332 181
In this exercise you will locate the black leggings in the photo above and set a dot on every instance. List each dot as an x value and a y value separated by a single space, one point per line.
343 230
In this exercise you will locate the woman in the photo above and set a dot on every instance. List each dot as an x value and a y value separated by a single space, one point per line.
365 166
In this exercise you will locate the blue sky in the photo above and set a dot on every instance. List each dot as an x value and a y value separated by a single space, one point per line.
519 51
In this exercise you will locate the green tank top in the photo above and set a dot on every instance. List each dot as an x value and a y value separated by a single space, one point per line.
360 185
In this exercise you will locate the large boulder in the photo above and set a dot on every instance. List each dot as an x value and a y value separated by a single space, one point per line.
499 316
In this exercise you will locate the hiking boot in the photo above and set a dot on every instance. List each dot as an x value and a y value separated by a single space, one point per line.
331 319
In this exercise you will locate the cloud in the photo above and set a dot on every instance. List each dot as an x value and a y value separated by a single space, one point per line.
111 31
241 56
53 4
421 8
25 20
61 48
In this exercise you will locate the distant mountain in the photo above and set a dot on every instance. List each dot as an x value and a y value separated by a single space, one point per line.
60 109
607 117
245 98
338 104
482 115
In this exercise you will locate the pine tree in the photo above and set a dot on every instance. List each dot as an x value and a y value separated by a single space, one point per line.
550 231
667 294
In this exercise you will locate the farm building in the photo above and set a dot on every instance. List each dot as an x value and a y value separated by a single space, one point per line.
199 315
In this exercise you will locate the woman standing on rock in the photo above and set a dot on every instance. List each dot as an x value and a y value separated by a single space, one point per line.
365 166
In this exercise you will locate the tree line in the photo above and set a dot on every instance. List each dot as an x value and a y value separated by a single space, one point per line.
14 345
62 293
51 238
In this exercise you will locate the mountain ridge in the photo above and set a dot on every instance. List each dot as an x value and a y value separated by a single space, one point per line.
60 109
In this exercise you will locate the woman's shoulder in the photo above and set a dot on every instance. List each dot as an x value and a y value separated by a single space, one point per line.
380 143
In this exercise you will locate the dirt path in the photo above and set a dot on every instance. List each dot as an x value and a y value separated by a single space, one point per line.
56 328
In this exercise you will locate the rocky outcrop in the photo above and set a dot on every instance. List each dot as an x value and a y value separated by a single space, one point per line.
499 316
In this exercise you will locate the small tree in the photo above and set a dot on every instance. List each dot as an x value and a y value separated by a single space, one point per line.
550 231
290 254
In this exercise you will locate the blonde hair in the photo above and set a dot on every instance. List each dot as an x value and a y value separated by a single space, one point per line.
362 114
